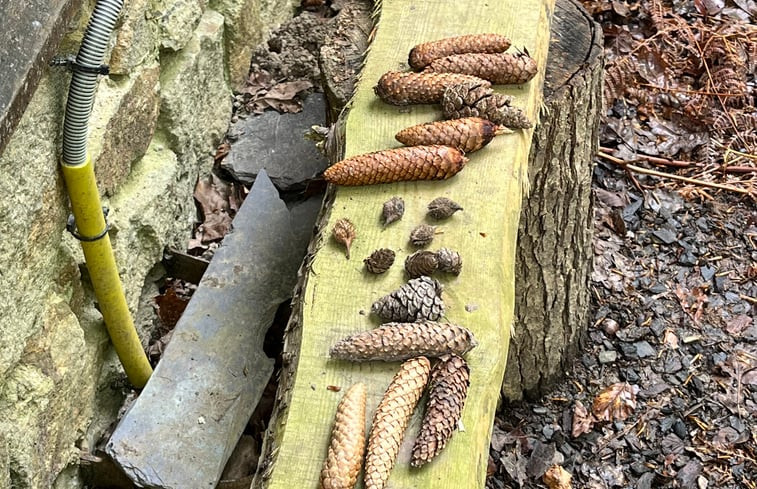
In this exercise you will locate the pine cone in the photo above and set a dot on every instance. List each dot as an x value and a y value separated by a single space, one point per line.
422 235
442 208
420 298
393 210
344 233
345 453
423 54
466 134
499 68
477 100
391 418
449 261
421 263
448 389
379 261
400 341
398 88
433 162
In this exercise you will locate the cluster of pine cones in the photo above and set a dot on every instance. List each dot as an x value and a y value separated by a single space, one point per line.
458 73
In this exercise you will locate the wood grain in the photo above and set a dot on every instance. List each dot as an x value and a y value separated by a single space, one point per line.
337 294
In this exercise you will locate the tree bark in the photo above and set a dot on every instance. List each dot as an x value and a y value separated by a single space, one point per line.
553 260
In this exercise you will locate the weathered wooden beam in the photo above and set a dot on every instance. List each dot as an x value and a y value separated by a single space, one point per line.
335 295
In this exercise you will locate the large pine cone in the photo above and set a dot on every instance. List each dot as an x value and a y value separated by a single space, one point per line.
420 298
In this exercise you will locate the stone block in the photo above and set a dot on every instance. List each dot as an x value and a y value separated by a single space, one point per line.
32 215
276 142
136 39
195 97
243 30
176 21
44 399
152 209
122 124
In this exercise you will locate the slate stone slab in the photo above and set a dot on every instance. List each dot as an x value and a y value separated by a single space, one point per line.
185 424
30 31
276 142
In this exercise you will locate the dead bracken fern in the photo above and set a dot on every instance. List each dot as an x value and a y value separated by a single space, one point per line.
682 72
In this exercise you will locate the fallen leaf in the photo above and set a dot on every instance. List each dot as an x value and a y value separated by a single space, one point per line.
670 339
738 324
170 307
616 402
582 420
557 478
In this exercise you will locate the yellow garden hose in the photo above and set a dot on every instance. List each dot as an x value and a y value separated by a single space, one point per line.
78 172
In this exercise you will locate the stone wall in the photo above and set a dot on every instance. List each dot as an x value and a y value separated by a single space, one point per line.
155 124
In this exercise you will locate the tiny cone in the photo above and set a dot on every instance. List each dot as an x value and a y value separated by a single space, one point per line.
401 88
423 54
422 235
345 453
442 208
400 341
449 261
421 263
391 419
466 134
379 261
344 233
393 210
500 68
432 162
448 389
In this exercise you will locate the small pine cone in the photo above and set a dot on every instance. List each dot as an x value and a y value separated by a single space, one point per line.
420 298
406 164
379 261
449 261
345 453
475 100
393 210
442 208
391 419
422 235
344 233
421 263
448 388
399 341
466 134
423 54
399 88
499 68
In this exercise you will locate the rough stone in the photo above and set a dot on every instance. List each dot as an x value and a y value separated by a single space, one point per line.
32 216
136 41
275 142
153 209
303 216
176 21
196 74
213 372
117 137
41 398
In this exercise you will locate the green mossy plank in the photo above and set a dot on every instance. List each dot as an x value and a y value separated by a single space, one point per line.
339 292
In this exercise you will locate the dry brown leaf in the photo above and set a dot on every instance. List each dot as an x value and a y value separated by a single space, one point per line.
616 402
583 421
557 478
670 339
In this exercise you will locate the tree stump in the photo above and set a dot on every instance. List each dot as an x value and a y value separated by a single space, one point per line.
334 296
554 255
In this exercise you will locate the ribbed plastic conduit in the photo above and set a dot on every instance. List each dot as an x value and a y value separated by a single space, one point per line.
83 84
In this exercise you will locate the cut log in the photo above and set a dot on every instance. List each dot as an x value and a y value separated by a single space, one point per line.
335 295
554 254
